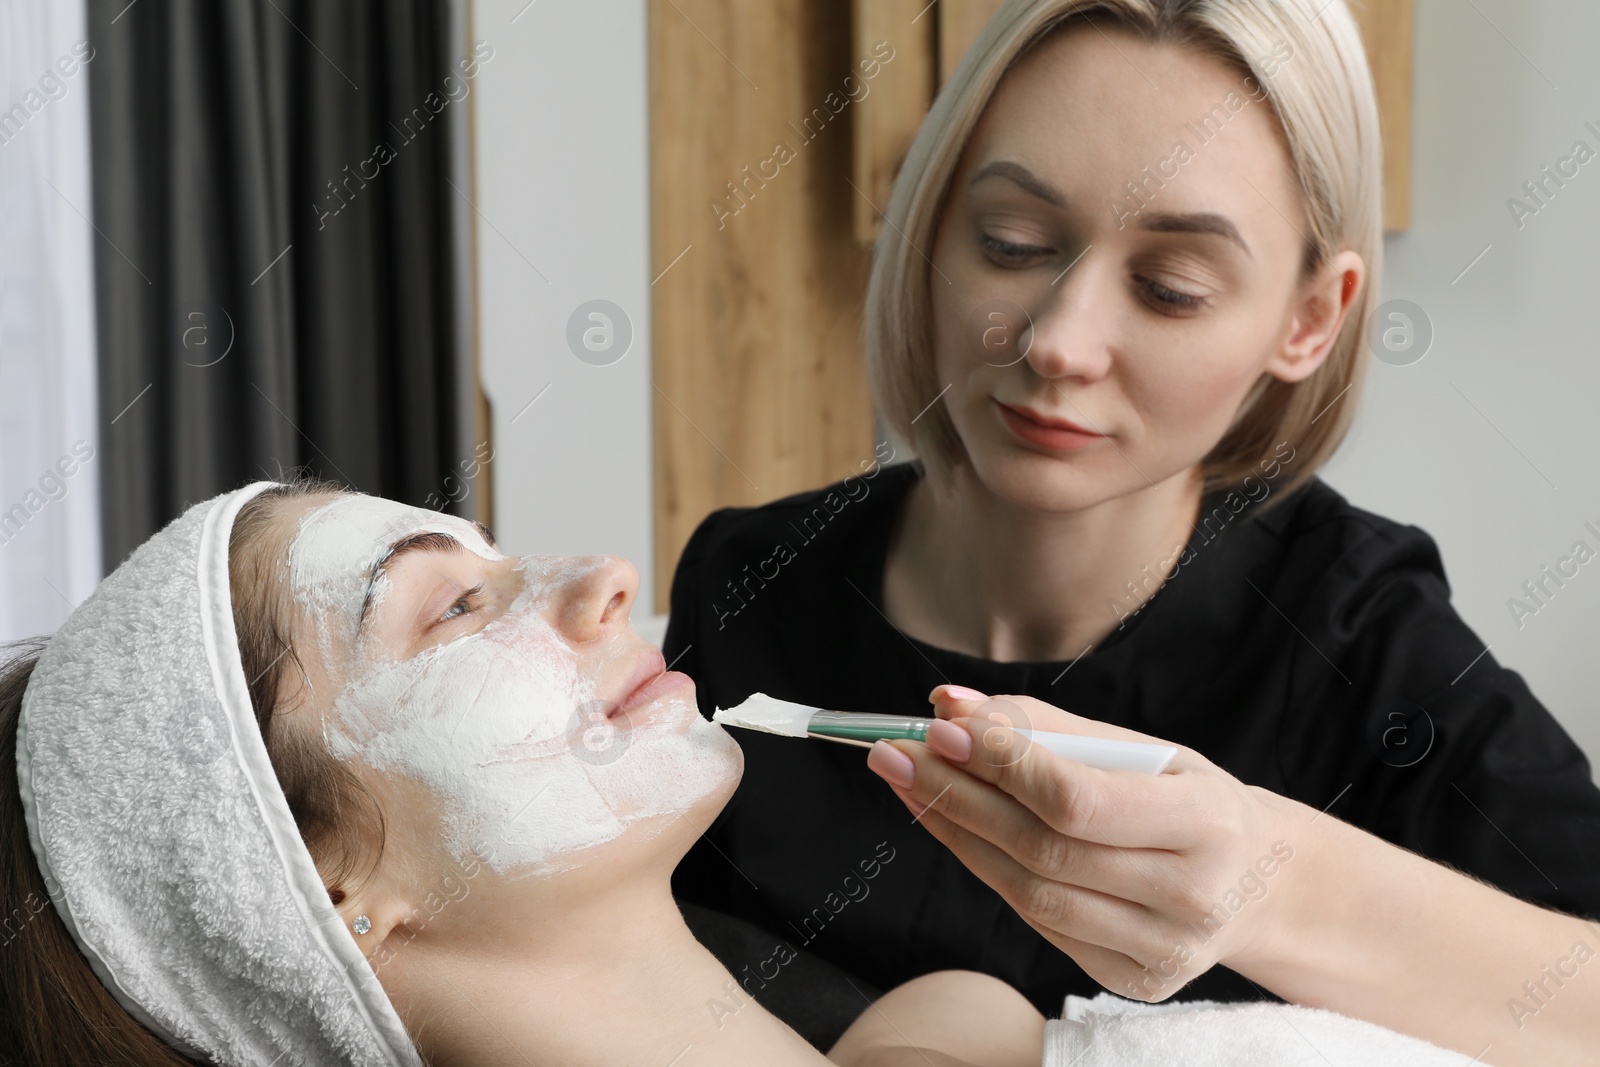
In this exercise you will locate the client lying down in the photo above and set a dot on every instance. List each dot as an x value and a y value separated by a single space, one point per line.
316 778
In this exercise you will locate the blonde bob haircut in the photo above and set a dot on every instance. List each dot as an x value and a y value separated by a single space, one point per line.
1324 101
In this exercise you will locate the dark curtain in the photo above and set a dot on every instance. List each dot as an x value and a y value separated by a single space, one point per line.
274 269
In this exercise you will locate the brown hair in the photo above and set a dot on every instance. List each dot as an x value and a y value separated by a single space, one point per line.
337 816
54 1011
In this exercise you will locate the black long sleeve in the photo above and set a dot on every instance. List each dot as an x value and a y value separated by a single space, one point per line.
1311 650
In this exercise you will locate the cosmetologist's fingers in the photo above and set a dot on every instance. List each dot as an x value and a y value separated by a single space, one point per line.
1128 809
1023 712
984 810
1064 913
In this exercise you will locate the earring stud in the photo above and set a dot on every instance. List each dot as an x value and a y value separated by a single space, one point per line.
362 924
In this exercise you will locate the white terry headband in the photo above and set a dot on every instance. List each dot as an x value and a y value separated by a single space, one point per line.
163 836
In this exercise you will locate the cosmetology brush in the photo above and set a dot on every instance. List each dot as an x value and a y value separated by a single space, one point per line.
773 716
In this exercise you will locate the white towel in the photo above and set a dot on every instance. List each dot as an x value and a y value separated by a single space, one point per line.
1109 1031
165 841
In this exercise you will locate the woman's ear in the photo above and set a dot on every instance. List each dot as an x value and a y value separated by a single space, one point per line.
382 923
1320 310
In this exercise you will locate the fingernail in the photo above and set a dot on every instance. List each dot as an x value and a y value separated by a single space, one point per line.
961 692
892 765
950 741
913 807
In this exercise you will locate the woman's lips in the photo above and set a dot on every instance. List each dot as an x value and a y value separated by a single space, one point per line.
1046 431
659 686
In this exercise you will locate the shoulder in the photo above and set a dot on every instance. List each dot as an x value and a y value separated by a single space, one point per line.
1362 591
1346 547
825 517
1318 511
1315 557
815 532
1371 606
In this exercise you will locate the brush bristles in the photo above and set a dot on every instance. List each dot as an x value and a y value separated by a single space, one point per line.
767 714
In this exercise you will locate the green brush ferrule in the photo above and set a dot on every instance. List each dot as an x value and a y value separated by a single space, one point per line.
857 726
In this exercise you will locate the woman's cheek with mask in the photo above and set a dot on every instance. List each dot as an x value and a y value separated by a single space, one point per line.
500 726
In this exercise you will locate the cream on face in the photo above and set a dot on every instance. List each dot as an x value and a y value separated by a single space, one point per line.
338 545
495 723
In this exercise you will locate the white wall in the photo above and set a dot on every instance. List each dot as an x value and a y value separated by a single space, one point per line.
562 165
1516 336
49 430
560 136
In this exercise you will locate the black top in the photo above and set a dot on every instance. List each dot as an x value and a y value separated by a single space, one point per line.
1309 649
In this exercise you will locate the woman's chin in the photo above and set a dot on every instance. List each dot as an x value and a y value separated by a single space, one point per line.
667 758
655 829
669 835
1037 481
724 761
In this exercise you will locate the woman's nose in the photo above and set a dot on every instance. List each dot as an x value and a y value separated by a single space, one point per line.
594 597
1072 326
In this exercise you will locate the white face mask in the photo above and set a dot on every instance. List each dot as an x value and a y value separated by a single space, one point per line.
502 724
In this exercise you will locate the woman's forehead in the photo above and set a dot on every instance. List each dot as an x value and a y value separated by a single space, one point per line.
1081 114
357 531
1117 88
337 552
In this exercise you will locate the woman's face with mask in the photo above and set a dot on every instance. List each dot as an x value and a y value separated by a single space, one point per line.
514 690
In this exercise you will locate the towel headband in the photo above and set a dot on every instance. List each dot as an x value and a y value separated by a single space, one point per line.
163 836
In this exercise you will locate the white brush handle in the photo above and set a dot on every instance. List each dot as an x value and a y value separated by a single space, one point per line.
1104 753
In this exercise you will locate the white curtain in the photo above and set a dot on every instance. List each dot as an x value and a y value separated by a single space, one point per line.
49 437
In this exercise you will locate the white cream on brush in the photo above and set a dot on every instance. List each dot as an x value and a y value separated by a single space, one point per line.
491 721
768 715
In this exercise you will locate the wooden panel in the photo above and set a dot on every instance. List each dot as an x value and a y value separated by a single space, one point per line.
887 118
483 430
760 389
1386 28
959 23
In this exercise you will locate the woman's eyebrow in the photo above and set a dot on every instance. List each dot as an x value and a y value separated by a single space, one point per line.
1201 222
426 541
1207 223
1024 178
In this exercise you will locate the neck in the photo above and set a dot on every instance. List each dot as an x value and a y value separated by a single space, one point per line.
614 979
979 574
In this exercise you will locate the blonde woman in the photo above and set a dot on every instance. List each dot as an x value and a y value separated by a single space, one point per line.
1116 320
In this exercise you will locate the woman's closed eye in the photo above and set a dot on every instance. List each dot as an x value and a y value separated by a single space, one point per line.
1167 299
1012 254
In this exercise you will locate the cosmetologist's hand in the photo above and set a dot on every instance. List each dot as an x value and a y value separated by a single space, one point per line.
1146 881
